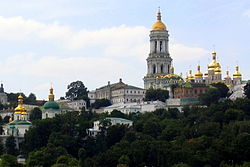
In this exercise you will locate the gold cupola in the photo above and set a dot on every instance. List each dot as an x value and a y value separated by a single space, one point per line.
20 108
227 76
198 74
214 64
237 74
172 69
190 76
51 95
159 25
217 70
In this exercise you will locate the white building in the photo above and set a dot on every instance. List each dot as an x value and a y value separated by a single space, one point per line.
74 105
118 93
18 127
113 121
51 108
141 107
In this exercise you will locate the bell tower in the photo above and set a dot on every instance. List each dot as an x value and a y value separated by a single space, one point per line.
159 61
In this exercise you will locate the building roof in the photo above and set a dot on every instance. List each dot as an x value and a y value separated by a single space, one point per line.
51 105
20 122
191 85
118 119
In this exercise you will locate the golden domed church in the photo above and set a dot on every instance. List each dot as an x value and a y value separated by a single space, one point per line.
160 71
214 74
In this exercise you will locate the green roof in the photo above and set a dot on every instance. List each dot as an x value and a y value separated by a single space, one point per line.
20 122
51 105
119 119
191 85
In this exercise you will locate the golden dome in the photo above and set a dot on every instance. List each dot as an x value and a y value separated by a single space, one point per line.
198 74
20 108
214 64
51 95
159 25
190 76
172 68
206 74
237 74
227 76
217 70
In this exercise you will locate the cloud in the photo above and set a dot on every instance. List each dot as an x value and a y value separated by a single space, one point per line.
247 13
183 53
93 56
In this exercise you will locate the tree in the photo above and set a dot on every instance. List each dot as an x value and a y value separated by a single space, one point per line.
7 160
31 99
2 150
46 156
223 89
100 103
211 96
36 114
124 160
77 91
81 156
118 114
247 90
156 94
10 146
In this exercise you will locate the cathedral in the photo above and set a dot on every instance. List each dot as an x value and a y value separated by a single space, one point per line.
214 74
160 70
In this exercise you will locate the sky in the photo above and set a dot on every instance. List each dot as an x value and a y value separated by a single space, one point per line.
56 42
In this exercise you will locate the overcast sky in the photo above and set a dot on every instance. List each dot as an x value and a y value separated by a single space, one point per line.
96 41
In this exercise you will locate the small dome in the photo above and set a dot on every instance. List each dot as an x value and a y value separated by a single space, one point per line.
198 74
51 105
237 74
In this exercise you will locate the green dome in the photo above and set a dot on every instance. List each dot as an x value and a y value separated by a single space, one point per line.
51 105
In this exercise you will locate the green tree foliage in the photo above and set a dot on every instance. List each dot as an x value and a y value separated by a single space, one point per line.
247 90
217 91
211 96
81 156
156 94
77 91
31 99
35 114
7 160
2 149
100 103
124 159
10 146
118 114
46 156
223 89
212 136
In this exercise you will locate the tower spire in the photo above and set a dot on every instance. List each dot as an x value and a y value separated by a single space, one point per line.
159 14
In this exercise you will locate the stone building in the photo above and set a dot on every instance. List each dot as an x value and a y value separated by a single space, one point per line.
118 93
190 90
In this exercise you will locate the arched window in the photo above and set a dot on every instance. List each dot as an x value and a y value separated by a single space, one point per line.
160 46
154 69
162 70
155 46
